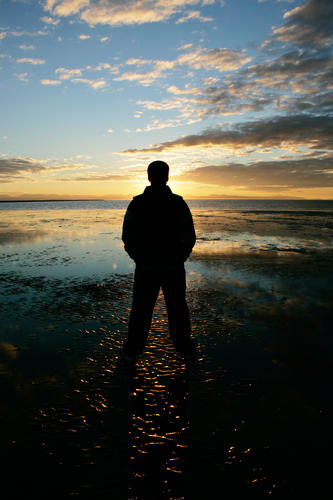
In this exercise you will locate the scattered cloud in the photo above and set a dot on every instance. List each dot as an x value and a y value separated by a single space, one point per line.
308 25
221 59
182 103
101 66
210 80
144 79
160 125
185 46
65 7
194 15
27 47
45 81
94 84
67 74
278 132
50 20
97 177
117 13
84 37
271 175
175 90
30 60
134 61
13 169
23 77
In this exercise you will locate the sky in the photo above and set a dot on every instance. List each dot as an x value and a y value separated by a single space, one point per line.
235 95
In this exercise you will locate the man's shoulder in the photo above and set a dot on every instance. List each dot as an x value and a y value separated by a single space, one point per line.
143 199
136 199
177 197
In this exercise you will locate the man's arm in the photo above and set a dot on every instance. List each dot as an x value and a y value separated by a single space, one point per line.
129 231
188 232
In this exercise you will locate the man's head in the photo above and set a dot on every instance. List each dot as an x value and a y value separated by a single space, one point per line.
158 173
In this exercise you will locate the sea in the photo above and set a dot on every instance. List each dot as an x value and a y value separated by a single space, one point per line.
75 237
249 416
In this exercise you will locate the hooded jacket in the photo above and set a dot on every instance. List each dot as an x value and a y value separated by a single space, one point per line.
158 228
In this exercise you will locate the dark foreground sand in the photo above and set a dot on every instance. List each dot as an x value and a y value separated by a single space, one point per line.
250 416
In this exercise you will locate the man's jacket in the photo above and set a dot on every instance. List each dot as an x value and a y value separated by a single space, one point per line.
158 228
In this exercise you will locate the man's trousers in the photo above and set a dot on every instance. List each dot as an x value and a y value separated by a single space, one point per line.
147 284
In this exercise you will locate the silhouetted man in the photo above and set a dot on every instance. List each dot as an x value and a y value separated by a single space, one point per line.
159 235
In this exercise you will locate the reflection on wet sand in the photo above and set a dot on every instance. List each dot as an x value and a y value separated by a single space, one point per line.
20 236
249 418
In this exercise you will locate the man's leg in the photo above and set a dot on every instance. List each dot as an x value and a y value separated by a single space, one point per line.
174 289
145 292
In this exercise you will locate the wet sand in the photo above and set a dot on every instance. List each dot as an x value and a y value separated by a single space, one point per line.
249 416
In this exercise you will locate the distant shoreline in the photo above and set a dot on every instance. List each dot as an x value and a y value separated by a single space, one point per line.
38 201
196 198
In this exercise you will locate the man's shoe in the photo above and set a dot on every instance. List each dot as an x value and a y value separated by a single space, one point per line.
188 351
129 358
129 355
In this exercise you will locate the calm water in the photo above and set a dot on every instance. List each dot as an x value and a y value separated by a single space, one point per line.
251 416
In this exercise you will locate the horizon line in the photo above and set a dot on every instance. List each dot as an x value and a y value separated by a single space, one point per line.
194 198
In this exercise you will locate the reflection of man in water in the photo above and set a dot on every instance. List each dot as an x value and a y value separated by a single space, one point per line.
158 234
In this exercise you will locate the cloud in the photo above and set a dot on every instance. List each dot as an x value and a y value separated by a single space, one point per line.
175 90
45 81
23 77
144 79
314 132
309 24
27 47
134 61
185 46
84 37
67 74
296 81
296 63
160 125
210 80
30 60
14 196
74 75
98 177
50 20
193 15
65 7
221 59
271 175
94 84
182 103
118 12
102 66
13 169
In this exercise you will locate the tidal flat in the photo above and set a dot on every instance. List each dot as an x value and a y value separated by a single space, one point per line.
251 415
